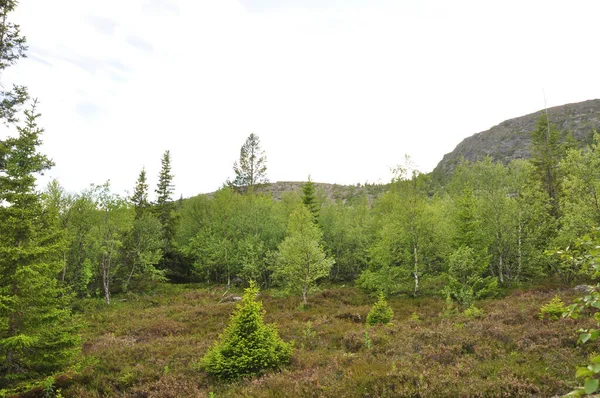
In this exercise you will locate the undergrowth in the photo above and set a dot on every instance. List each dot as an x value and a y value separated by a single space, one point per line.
149 346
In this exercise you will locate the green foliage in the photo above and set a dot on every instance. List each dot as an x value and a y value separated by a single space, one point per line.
251 169
38 335
465 278
309 198
247 347
410 239
367 342
553 310
12 48
473 312
580 192
164 209
590 302
139 198
231 235
301 261
389 280
347 236
380 313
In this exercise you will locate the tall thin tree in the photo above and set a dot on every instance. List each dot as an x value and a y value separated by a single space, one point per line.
251 169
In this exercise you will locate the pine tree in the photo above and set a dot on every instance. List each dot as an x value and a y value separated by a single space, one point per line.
247 347
37 332
252 166
139 199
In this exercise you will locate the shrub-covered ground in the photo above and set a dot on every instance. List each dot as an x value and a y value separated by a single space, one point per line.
150 346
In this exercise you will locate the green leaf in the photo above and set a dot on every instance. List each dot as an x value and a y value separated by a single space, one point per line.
583 372
591 386
595 359
584 337
595 367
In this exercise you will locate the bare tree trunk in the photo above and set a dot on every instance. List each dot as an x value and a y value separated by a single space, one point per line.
500 266
129 277
304 293
105 279
416 271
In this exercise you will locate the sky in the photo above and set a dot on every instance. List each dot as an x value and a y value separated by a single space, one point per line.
338 90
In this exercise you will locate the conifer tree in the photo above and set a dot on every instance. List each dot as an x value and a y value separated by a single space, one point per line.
139 199
381 312
309 198
165 206
247 347
252 166
37 332
12 48
547 152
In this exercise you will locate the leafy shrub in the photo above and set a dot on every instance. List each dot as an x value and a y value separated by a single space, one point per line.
465 278
247 347
553 310
473 312
380 313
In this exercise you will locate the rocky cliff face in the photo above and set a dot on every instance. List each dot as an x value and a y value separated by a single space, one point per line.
510 139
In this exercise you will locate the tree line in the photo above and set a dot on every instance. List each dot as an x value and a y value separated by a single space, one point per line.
490 226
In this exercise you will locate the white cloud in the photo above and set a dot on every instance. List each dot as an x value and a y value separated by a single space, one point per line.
341 93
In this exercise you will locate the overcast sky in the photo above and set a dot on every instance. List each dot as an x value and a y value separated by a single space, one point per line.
338 89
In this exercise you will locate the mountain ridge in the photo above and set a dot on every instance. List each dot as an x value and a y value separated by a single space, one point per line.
510 139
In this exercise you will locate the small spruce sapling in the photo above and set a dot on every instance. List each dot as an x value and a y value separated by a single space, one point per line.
380 313
247 347
553 310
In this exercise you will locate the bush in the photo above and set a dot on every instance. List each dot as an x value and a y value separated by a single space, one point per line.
553 310
380 313
473 312
247 347
465 278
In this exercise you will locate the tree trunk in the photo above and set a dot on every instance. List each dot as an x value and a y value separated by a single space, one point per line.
304 292
416 271
105 279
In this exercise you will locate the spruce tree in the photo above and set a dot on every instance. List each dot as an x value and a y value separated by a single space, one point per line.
247 347
12 48
546 154
139 199
252 166
37 332
165 206
381 312
309 198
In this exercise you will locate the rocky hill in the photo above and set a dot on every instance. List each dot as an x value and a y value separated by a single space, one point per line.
331 191
510 139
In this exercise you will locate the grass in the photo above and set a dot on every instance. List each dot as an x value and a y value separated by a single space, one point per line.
150 345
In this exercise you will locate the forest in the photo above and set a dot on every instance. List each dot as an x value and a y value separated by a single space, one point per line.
431 285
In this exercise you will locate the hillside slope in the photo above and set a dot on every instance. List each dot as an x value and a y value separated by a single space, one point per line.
330 191
510 139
